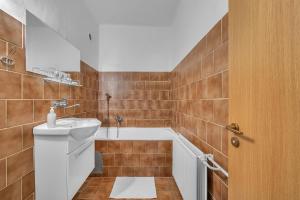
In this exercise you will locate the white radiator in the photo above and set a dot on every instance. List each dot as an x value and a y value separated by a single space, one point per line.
189 172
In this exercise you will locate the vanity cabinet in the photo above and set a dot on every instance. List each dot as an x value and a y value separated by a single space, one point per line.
62 164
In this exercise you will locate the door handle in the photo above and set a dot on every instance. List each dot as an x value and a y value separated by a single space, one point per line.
234 128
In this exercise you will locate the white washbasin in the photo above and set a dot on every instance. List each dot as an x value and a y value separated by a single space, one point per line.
77 128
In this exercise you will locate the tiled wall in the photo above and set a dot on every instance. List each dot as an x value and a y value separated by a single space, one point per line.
200 100
143 99
24 103
136 158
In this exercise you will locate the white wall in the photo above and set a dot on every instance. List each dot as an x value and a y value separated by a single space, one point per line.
134 48
124 48
193 20
70 18
141 48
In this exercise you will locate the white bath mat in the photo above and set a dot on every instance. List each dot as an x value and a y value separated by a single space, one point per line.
134 188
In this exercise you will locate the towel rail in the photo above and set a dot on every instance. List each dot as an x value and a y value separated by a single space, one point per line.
203 157
216 166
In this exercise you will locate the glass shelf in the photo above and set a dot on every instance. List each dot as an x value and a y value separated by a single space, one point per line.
70 83
57 76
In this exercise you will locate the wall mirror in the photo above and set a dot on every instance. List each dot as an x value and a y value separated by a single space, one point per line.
47 51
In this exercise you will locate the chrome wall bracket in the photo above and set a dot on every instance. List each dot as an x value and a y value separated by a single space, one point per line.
8 62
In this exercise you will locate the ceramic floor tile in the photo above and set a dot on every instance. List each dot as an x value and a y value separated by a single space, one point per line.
99 188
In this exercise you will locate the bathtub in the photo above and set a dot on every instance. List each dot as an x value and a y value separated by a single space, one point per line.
136 134
136 152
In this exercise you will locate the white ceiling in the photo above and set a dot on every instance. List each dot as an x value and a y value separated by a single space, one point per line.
133 12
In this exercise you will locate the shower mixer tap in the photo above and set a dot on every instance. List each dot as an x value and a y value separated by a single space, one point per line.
119 119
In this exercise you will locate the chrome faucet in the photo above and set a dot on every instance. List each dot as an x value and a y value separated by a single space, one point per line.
63 103
119 119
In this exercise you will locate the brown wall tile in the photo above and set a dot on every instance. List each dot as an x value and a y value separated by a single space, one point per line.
146 160
2 114
214 86
165 171
28 135
169 160
225 28
131 160
214 37
19 112
10 85
145 171
114 147
114 171
138 147
135 96
225 87
12 192
108 159
136 160
151 147
126 146
2 49
224 141
11 141
207 110
120 159
164 147
159 160
2 173
127 171
11 29
27 185
33 87
214 135
221 112
101 146
224 192
19 165
221 58
41 109
208 65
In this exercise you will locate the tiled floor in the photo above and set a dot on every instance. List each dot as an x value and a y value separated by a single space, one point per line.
99 188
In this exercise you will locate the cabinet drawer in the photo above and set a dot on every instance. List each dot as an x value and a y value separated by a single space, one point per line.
80 164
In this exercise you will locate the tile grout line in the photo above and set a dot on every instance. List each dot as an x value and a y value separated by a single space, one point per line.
6 172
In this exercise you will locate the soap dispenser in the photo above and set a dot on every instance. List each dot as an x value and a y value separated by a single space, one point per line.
51 118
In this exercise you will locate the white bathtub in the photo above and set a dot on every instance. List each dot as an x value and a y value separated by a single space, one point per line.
136 134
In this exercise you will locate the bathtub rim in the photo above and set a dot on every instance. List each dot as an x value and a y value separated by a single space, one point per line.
172 134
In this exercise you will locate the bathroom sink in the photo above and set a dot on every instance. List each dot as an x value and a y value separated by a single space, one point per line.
77 128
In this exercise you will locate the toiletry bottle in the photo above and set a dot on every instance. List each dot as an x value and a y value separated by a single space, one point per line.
51 118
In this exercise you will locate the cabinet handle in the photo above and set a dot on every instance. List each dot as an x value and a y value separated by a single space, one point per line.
82 150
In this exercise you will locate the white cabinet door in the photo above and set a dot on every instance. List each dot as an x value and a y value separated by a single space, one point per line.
81 163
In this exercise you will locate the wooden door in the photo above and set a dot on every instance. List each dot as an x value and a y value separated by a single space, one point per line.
264 61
